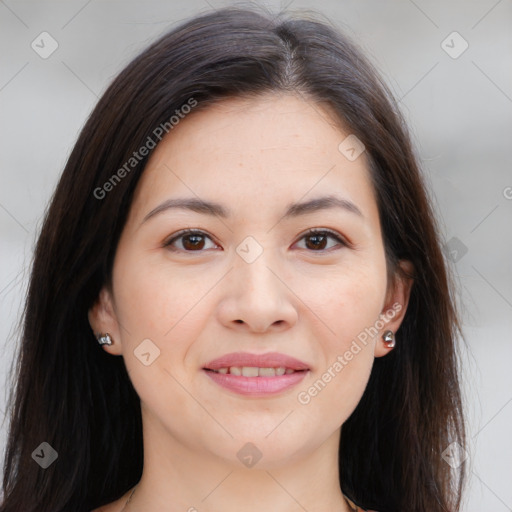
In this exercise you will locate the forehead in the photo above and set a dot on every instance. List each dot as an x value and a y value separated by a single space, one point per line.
264 124
268 149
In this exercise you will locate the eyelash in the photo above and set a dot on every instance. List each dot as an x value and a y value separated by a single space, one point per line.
311 232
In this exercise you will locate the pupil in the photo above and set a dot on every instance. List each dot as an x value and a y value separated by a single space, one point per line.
317 245
196 241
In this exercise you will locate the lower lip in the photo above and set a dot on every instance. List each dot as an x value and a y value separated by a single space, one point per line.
256 386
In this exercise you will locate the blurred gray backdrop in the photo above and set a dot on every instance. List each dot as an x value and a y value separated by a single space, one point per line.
449 64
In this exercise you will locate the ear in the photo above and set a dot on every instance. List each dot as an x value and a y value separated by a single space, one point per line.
397 299
103 319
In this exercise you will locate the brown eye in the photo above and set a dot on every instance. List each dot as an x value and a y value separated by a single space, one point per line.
190 241
318 240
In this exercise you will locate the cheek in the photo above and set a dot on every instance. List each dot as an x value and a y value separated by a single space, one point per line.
349 304
347 300
153 303
334 390
153 298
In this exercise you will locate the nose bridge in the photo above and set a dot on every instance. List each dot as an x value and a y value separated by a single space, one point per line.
253 268
256 296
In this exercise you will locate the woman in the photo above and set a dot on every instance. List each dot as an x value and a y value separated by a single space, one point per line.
243 220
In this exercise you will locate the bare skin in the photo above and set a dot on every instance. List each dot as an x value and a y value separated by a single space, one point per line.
300 297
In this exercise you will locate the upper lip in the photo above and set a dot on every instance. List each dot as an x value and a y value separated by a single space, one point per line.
268 360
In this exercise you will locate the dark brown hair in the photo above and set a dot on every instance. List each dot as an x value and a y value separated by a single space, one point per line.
67 393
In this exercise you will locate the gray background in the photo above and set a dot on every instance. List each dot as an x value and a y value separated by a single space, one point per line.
459 111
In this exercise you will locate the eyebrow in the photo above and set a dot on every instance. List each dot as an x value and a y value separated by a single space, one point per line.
293 209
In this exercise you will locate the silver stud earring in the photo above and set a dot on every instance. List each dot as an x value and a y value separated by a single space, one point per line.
104 339
389 339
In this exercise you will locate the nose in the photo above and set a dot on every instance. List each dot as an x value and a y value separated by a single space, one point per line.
256 298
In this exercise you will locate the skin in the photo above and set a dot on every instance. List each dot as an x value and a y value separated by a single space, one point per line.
255 157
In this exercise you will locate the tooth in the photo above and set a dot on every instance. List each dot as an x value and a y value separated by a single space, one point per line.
255 371
250 371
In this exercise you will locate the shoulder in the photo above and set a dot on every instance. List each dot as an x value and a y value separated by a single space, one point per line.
115 506
109 507
355 508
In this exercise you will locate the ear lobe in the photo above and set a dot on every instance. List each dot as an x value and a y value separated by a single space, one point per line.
397 300
102 319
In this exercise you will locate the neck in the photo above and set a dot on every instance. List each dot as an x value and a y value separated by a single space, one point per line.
186 478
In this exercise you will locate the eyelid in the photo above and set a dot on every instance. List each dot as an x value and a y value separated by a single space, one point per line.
312 231
326 231
188 231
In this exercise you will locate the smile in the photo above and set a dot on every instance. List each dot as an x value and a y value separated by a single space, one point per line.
254 371
252 381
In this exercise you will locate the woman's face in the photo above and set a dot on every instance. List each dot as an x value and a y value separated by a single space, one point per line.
251 280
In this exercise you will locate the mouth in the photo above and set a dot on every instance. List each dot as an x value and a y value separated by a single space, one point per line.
256 386
246 364
254 371
256 375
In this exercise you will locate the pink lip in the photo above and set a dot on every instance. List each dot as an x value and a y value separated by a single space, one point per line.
268 360
256 386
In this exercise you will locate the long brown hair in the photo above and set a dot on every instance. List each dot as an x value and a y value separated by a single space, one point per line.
68 394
